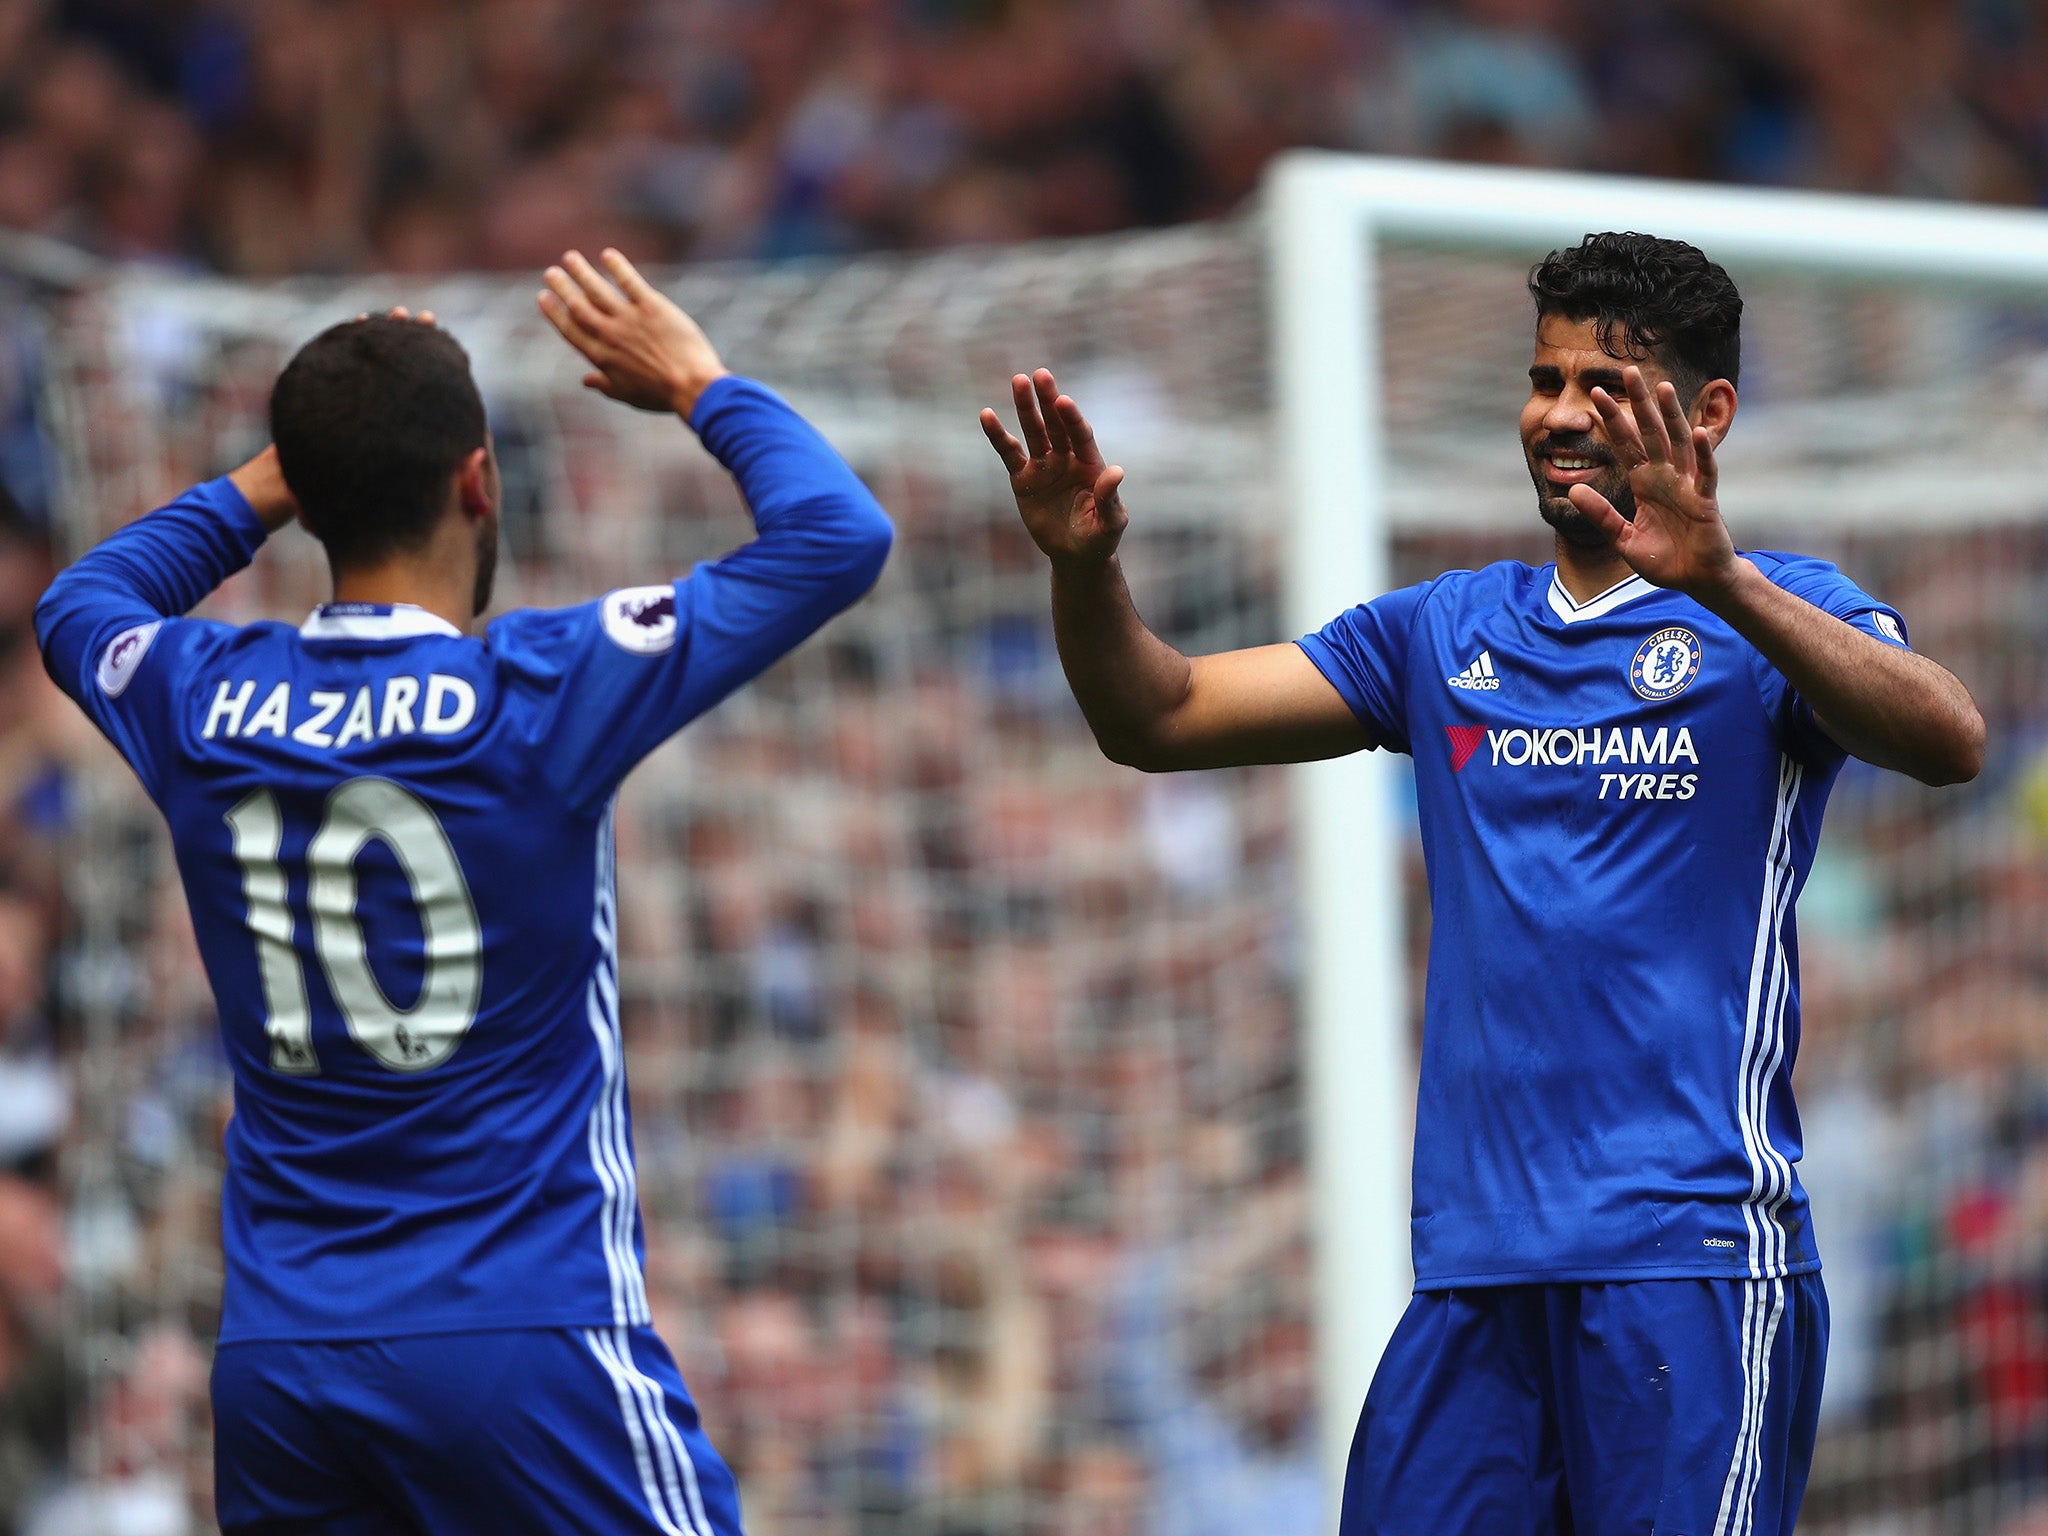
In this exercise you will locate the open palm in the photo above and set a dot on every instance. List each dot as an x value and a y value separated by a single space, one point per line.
1678 538
1065 493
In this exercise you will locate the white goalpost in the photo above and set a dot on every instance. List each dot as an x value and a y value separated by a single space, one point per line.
1331 218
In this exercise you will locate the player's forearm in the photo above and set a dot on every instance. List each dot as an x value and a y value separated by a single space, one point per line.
261 482
787 471
1887 705
1127 680
823 540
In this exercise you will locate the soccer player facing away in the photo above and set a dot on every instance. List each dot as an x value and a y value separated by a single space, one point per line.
396 839
1621 760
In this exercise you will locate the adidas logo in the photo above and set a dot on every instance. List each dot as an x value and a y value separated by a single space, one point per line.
1477 678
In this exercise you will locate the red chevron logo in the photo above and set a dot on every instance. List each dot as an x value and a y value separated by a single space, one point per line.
1465 740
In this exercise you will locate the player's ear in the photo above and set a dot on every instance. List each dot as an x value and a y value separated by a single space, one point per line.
476 483
1714 408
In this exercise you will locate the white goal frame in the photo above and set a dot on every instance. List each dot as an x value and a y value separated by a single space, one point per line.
1326 216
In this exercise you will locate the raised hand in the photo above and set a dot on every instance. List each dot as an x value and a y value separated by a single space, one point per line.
644 351
1678 538
261 482
1066 495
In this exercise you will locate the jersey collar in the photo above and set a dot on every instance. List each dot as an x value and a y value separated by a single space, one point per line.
1622 592
373 621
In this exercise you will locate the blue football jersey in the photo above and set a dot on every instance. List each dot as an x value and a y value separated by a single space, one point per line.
396 843
1619 802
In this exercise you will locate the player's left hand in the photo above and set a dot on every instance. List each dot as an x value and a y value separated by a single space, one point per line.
1678 538
642 348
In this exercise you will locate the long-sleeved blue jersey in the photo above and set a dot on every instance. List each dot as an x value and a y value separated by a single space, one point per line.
396 842
1620 800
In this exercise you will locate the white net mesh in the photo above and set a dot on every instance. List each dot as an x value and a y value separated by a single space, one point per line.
966 1064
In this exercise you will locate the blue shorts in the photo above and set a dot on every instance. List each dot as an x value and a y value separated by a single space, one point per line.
1679 1407
541 1430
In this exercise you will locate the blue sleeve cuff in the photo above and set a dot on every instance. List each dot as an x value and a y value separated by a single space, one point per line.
719 394
1325 661
226 498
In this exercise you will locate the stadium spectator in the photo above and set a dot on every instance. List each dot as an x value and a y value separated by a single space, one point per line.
274 138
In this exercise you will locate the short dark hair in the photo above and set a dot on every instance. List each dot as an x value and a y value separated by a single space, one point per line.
1647 296
370 418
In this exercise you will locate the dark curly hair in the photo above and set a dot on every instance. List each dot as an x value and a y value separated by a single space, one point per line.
1647 297
370 418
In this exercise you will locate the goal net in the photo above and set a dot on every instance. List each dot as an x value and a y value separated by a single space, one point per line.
1003 1113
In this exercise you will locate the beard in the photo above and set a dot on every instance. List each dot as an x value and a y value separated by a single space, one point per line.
1570 524
486 563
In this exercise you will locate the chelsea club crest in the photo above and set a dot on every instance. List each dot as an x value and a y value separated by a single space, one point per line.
1665 664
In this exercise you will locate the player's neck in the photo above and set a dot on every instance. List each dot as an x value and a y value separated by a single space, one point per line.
1586 573
439 575
447 595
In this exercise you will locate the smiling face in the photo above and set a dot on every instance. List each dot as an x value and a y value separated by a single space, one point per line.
1562 435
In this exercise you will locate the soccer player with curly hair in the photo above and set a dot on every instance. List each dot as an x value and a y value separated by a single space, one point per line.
1621 761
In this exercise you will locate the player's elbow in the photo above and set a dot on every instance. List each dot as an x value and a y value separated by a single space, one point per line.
871 543
1959 757
1126 753
1141 750
859 540
51 608
1948 749
45 611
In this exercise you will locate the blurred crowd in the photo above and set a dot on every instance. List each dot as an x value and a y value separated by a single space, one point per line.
40 745
1925 1091
411 135
966 1067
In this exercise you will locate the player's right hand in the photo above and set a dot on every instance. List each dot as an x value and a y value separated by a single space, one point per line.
643 349
1066 495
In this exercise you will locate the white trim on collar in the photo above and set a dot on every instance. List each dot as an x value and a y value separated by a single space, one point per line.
373 621
1624 591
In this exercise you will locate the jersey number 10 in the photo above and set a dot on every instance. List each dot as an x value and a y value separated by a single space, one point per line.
404 1039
